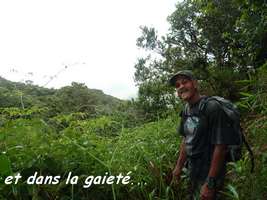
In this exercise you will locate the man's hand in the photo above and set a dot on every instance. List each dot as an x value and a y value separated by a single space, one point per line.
206 193
176 175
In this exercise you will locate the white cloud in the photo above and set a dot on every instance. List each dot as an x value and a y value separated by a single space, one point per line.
44 36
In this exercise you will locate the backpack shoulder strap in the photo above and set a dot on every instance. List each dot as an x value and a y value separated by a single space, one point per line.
202 105
184 112
252 159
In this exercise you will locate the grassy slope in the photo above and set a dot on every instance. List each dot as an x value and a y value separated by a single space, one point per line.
148 151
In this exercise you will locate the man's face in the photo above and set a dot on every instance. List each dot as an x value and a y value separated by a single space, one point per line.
185 87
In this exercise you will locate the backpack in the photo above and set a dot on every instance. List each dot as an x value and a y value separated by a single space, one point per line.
234 152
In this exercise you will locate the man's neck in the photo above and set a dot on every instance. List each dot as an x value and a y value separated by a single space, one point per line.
194 99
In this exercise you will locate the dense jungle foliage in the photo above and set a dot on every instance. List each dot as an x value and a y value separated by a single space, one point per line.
83 131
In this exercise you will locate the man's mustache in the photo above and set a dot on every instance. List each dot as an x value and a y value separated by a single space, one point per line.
182 90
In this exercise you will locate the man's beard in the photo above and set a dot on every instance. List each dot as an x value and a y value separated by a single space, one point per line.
186 93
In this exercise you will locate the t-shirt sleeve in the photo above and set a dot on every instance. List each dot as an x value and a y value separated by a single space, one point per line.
220 126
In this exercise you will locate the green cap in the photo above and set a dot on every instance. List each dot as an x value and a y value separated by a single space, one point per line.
187 73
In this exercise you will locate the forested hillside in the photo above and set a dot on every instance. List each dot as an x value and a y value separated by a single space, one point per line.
83 131
66 100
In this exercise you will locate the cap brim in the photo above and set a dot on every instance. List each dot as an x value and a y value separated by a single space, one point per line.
173 79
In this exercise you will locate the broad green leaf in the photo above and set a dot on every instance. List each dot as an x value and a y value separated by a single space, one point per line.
246 94
5 166
233 191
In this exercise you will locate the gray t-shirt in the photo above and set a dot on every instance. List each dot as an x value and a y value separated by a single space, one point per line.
202 130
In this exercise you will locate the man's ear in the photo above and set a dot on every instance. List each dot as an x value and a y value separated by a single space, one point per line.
195 83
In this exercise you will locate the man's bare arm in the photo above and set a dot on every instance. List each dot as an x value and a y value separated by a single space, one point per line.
181 160
218 159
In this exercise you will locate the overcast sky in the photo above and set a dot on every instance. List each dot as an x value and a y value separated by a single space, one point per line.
95 39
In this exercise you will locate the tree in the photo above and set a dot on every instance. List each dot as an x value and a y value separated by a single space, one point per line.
222 41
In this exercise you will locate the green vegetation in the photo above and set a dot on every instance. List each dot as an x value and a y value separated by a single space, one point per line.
83 131
66 100
86 147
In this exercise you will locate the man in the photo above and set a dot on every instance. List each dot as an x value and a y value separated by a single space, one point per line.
205 139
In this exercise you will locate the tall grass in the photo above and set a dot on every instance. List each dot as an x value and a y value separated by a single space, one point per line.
148 151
